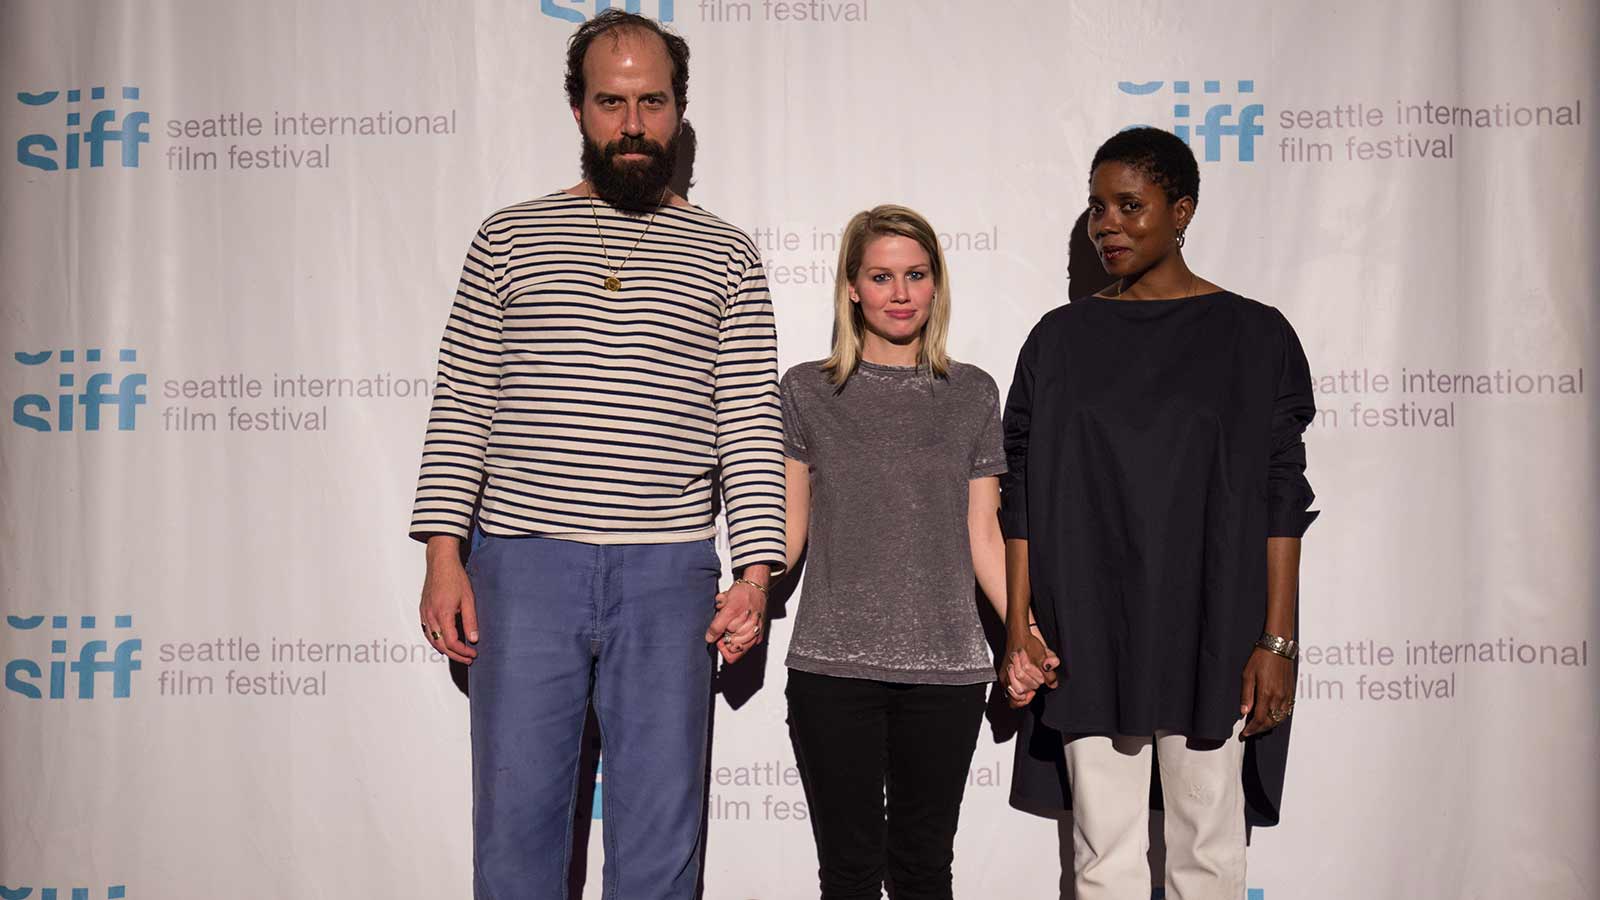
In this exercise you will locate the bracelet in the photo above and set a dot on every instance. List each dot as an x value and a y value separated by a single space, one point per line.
760 587
1034 626
1283 647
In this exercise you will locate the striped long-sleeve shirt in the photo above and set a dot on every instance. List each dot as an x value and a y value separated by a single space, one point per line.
607 417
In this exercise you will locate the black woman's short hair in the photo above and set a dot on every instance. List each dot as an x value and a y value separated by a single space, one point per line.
1162 156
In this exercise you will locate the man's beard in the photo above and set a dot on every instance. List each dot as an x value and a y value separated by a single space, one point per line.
631 186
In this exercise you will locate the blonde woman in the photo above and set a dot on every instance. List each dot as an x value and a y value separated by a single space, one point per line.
892 453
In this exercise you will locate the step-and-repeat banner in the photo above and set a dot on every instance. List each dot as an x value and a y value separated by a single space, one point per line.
230 233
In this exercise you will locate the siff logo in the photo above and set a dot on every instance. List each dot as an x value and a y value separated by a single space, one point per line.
114 892
29 410
37 150
26 676
579 10
1217 123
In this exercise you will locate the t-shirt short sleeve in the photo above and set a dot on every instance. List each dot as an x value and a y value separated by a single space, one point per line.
988 450
794 442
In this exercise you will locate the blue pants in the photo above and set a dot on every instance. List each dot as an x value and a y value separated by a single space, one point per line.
562 623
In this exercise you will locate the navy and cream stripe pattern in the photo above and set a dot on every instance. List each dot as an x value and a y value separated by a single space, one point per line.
607 417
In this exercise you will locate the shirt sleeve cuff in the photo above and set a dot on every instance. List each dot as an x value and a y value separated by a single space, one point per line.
1288 514
988 470
1014 521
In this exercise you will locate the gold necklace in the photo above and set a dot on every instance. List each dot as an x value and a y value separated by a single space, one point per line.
612 282
1194 281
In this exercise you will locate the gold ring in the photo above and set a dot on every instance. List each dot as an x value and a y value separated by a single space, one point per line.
435 634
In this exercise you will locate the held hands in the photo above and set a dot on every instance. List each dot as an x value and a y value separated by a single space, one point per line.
445 593
740 621
1268 691
1029 666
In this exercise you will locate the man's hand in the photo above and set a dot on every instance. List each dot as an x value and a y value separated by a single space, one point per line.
1030 665
740 622
445 593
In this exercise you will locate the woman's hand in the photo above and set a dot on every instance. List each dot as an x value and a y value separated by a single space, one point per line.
1030 665
1268 692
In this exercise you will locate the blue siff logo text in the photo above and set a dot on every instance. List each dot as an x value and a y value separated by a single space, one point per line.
51 151
65 666
1218 122
78 405
581 10
114 892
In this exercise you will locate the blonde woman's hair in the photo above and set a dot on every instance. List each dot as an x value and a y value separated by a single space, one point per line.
849 329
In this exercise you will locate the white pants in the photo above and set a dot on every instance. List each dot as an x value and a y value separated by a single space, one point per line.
1203 793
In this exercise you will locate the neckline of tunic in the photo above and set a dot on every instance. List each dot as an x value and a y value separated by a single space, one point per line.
1162 300
1152 308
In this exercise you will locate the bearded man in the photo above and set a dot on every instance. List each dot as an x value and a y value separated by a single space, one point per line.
609 362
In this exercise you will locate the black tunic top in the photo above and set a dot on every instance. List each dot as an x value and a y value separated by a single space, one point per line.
1153 447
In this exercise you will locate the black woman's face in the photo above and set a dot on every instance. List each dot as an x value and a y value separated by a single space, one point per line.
1132 225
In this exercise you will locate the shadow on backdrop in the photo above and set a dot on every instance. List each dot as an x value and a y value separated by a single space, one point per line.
587 805
1085 275
458 672
683 171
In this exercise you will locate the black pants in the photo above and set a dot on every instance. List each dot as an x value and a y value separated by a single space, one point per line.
857 741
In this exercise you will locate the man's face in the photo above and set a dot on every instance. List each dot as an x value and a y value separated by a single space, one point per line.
629 118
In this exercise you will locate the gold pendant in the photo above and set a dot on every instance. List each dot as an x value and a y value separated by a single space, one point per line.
613 284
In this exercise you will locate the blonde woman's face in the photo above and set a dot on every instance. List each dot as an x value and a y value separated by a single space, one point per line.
894 289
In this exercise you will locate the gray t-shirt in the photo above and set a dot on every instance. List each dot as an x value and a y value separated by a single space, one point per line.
888 577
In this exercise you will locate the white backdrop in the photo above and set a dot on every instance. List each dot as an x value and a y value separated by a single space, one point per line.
213 683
